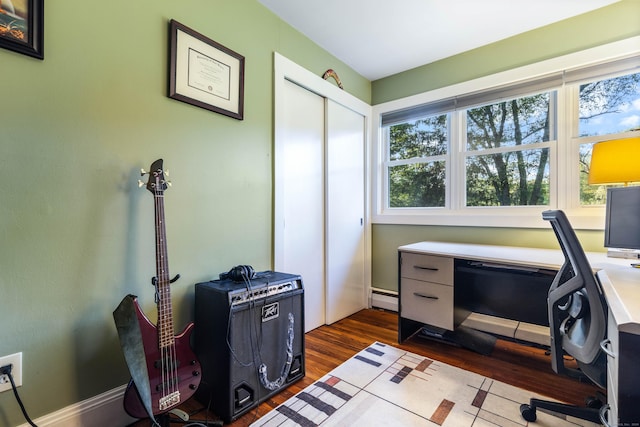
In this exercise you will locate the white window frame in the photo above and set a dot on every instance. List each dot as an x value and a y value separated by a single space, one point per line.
564 191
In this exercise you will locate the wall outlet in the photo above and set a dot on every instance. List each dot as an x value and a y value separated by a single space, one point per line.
16 371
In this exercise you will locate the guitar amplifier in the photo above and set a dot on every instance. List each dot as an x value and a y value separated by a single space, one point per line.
249 340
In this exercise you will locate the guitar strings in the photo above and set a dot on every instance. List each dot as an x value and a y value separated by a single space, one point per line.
168 357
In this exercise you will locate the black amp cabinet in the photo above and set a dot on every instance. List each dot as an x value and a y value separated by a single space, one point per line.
242 329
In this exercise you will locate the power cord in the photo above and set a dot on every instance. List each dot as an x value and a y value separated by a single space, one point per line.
6 370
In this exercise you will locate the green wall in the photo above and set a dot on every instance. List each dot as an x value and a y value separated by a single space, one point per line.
619 21
616 22
76 233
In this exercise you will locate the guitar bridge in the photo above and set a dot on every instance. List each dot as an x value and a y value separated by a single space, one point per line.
169 400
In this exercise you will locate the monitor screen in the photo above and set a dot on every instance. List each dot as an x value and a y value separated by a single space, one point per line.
622 224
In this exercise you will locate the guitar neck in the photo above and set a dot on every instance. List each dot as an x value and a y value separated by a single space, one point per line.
165 310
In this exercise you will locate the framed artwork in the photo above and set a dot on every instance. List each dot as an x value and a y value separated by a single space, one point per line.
22 26
205 73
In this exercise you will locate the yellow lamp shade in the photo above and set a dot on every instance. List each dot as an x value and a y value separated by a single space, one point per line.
615 162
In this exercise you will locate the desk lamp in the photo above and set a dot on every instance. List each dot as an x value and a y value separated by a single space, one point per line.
615 162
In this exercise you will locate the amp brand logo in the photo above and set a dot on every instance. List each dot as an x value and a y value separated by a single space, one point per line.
270 311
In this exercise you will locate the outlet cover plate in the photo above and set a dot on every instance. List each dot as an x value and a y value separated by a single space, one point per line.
16 371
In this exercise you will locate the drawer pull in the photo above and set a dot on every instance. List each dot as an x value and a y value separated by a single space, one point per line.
604 345
504 267
421 295
419 267
604 415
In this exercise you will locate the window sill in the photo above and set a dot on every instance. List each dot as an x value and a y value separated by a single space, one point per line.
592 220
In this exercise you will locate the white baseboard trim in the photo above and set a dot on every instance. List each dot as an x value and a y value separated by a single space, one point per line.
384 299
103 410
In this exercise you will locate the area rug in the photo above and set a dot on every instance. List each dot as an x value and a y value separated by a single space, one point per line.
386 386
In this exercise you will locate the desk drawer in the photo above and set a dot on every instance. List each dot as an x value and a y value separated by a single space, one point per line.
429 303
427 267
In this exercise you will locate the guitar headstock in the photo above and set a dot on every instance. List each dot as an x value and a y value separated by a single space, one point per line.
157 182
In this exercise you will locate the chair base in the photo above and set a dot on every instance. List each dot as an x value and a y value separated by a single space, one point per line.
528 412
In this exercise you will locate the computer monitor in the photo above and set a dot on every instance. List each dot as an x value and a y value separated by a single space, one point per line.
622 223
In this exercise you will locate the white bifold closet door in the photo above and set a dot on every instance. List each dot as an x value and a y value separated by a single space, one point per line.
320 202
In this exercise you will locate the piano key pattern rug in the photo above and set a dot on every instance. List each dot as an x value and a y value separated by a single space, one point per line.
386 386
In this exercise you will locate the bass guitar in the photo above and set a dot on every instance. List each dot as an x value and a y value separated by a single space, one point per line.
174 371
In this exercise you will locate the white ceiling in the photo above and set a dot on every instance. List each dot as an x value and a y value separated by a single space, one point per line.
378 38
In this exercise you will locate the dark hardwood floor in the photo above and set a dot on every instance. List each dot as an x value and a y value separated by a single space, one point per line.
328 346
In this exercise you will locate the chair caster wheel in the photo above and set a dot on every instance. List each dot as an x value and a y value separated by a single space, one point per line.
527 412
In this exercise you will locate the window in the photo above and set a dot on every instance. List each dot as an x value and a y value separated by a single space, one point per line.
507 158
417 153
609 106
501 154
606 107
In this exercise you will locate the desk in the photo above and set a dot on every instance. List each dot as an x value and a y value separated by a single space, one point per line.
426 297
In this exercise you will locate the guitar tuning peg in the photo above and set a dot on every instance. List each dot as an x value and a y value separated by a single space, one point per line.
169 183
140 183
166 172
143 172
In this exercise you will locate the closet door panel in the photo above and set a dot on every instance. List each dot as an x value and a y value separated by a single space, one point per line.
301 193
345 208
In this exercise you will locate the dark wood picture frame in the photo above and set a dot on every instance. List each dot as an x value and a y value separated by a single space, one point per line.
204 73
24 32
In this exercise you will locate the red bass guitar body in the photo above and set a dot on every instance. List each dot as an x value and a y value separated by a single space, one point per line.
188 371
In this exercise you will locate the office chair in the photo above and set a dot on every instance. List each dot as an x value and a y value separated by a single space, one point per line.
578 323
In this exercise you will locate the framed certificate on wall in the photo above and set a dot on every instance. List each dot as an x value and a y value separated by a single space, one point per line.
205 73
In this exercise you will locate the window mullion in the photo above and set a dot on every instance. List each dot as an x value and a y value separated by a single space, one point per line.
384 170
565 158
457 176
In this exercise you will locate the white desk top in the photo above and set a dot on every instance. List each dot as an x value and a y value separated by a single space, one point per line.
620 282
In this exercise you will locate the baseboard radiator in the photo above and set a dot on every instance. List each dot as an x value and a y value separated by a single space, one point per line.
103 410
383 298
